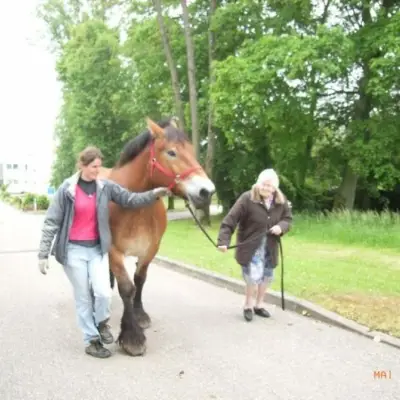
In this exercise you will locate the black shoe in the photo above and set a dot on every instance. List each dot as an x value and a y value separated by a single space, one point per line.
248 314
96 349
261 312
105 333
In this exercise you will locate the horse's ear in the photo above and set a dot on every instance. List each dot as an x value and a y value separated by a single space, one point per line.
154 129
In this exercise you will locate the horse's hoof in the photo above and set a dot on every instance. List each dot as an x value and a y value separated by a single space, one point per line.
143 319
135 351
132 347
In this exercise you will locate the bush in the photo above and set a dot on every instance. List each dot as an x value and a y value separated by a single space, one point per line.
28 201
42 202
5 196
15 201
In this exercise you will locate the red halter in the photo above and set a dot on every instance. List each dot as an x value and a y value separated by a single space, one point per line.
176 177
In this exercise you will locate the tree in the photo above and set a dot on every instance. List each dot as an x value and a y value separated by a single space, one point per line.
171 65
191 77
96 90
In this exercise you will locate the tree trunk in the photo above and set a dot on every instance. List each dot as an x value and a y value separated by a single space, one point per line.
210 131
363 106
347 190
206 217
192 78
202 213
171 203
171 65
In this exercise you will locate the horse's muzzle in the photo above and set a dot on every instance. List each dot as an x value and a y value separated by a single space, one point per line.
199 190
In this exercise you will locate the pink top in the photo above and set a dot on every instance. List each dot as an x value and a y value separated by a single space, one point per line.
84 225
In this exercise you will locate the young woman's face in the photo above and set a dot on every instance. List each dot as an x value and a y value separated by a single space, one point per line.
266 188
91 171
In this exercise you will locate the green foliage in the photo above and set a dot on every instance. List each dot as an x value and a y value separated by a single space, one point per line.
95 86
285 88
4 194
28 201
97 96
42 202
25 202
15 201
304 89
369 229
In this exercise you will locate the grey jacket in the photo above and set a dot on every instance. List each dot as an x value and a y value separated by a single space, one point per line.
60 214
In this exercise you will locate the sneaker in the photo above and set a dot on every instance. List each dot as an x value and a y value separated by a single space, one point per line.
105 333
96 349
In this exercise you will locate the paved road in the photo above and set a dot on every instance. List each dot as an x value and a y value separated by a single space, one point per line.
199 348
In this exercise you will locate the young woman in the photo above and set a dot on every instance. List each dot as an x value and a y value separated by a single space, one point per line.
78 215
263 209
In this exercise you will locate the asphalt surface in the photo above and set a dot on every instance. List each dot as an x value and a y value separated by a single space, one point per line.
199 347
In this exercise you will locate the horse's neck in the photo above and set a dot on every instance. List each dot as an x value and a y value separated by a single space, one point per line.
134 175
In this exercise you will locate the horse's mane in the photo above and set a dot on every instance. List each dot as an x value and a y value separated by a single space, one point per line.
136 145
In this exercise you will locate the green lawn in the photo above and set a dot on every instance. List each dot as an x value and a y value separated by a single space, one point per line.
348 263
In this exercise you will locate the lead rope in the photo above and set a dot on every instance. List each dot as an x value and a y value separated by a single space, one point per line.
240 244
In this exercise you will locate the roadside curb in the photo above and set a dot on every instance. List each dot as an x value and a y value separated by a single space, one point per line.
300 306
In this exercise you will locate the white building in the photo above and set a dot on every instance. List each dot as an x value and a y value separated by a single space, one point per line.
23 175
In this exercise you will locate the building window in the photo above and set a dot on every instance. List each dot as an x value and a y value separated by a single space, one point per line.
15 166
9 166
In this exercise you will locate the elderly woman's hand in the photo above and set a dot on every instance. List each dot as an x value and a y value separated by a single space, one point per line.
276 230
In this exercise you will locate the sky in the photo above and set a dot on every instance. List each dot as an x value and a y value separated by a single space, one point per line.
30 95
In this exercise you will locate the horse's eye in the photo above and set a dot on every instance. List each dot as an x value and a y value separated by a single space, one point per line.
171 153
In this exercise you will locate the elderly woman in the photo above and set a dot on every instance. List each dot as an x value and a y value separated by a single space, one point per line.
264 208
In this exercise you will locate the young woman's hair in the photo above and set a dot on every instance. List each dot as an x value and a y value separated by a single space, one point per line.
88 155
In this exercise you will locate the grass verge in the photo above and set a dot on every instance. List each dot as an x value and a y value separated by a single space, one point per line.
348 263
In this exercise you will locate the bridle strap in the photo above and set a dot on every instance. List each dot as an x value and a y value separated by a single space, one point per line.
154 164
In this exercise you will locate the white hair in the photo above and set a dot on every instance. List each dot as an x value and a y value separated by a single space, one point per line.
268 174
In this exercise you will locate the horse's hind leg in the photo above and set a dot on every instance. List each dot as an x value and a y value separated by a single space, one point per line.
131 337
140 278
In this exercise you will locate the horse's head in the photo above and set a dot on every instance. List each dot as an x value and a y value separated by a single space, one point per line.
174 164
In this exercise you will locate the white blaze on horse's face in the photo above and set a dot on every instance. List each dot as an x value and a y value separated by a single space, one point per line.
199 189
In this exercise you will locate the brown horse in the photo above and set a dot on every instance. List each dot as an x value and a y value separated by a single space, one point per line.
161 156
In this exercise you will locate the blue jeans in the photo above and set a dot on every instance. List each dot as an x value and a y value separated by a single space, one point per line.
88 271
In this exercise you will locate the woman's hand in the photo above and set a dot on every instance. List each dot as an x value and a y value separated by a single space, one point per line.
276 230
161 192
223 249
43 265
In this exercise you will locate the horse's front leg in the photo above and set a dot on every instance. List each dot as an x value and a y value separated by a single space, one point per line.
139 278
157 222
131 337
